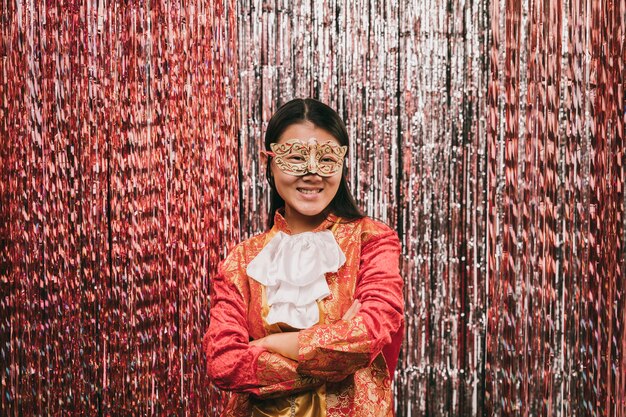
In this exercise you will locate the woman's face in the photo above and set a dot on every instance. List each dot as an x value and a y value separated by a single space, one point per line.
306 196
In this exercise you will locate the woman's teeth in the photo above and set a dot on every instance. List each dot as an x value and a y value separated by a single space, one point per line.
302 190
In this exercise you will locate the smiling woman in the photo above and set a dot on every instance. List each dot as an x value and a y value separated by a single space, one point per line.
307 318
294 168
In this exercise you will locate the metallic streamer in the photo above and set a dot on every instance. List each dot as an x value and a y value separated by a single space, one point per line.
474 128
489 133
554 342
118 197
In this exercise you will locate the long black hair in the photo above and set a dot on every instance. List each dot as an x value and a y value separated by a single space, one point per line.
310 110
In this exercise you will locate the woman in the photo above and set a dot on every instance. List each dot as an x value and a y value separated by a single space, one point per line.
307 318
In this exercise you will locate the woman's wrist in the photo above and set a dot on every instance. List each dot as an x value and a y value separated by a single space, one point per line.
285 344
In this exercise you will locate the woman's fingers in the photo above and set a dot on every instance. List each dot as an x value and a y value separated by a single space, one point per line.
352 311
355 309
348 313
262 342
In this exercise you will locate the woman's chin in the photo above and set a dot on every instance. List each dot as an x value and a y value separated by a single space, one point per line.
308 210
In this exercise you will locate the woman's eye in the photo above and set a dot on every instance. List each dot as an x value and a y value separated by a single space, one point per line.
295 158
328 160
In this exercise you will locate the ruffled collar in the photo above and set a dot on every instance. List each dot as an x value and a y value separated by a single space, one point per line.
292 268
280 223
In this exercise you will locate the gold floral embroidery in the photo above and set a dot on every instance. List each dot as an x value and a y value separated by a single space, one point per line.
372 398
367 393
340 398
238 406
364 393
350 346
272 368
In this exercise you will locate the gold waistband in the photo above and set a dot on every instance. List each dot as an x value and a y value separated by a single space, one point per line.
305 404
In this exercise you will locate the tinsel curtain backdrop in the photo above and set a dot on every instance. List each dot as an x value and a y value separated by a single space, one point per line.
489 133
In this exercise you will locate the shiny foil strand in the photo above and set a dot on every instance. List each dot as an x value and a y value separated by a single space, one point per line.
495 307
112 175
596 303
573 122
490 134
614 212
570 266
618 85
355 47
509 266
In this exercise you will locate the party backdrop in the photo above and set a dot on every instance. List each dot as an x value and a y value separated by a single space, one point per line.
489 133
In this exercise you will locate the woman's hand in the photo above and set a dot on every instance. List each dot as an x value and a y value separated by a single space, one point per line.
286 344
354 308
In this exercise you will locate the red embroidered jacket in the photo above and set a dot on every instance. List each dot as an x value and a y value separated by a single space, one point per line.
345 368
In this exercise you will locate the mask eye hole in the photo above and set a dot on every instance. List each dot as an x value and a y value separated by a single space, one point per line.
294 158
328 160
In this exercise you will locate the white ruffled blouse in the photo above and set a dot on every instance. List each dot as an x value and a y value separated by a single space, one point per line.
292 268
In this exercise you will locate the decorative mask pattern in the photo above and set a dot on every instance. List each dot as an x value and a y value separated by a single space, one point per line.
298 157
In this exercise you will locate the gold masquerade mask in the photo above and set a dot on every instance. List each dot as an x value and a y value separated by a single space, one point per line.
298 157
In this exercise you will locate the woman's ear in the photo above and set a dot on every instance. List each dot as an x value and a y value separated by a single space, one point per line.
268 172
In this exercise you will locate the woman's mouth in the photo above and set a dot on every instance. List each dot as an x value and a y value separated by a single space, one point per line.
309 190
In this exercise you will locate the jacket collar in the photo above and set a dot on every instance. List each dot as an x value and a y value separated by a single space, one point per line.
280 224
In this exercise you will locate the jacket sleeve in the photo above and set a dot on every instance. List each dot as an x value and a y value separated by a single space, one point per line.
346 346
232 363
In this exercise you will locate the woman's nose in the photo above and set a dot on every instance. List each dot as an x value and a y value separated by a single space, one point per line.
312 177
